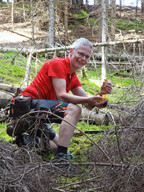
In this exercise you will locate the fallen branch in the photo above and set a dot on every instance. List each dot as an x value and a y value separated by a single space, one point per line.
5 49
50 113
10 88
95 45
27 72
20 34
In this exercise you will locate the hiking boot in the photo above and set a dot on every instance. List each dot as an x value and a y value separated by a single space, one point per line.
62 157
62 162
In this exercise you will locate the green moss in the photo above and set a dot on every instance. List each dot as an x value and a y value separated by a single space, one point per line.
125 25
3 133
14 72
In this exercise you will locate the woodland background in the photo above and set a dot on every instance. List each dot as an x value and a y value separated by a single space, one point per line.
32 32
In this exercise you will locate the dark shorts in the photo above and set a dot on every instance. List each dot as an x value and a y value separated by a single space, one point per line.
55 106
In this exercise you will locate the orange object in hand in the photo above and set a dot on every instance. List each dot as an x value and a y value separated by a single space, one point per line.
103 97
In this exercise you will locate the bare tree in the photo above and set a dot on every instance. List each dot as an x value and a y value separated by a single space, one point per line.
70 2
23 2
142 6
87 2
12 13
104 38
99 7
66 20
120 2
51 23
28 68
95 2
113 19
32 21
136 7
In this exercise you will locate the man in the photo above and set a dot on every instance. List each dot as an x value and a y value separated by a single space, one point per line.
53 82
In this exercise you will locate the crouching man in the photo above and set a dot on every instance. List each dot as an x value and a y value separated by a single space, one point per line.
54 81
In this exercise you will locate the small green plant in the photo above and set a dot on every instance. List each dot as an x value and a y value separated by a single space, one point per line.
92 22
82 14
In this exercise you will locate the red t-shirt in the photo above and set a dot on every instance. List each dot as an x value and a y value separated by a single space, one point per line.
42 88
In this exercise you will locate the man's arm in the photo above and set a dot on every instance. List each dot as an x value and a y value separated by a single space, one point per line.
60 90
81 92
79 96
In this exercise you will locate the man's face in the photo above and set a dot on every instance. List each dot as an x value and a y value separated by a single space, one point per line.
79 57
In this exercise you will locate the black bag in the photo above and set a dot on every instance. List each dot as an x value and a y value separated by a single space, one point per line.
21 105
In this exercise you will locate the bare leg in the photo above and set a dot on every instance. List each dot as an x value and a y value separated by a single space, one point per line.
72 115
52 145
54 142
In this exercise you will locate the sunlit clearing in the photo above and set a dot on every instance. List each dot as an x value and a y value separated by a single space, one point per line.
96 82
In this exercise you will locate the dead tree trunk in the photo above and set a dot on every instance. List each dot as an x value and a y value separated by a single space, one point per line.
104 39
12 13
51 23
32 21
27 72
113 19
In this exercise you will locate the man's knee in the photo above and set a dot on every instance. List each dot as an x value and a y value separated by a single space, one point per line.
74 110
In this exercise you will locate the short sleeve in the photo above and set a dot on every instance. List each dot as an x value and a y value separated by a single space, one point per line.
57 69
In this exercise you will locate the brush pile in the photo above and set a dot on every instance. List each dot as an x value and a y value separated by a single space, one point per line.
114 163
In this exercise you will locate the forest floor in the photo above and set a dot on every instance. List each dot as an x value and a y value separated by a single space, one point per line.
19 35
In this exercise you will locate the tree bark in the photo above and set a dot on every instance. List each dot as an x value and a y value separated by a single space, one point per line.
32 22
12 13
23 2
66 21
136 8
104 39
27 72
95 2
51 23
142 6
113 19
39 51
142 11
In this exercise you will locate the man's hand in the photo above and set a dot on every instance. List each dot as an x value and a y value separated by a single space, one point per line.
102 104
105 88
96 101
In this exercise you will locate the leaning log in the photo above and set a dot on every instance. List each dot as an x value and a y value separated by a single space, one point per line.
28 67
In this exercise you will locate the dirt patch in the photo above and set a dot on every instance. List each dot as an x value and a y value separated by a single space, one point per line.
20 35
